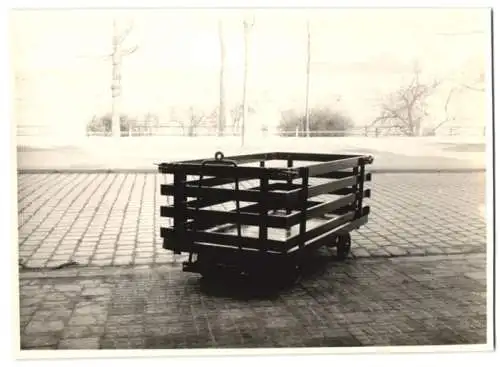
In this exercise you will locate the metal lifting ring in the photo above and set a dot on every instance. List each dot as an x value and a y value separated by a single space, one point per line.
219 156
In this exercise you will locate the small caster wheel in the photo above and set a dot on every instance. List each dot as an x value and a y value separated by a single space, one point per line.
343 246
335 242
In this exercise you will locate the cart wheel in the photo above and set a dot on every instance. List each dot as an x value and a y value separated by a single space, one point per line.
343 243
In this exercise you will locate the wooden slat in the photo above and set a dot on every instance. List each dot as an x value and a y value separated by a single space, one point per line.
335 174
214 225
226 239
322 168
209 201
218 216
276 200
227 194
312 157
282 186
230 172
240 159
349 190
320 208
327 226
345 209
327 237
215 192
343 174
215 181
332 186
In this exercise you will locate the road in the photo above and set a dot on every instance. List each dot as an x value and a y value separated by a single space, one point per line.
141 154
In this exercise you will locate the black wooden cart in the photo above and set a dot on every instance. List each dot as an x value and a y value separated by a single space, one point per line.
256 213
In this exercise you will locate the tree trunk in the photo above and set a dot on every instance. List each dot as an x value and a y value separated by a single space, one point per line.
308 71
245 76
418 128
247 27
222 96
116 83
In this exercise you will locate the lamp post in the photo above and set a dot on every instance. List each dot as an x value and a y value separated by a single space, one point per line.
247 26
308 72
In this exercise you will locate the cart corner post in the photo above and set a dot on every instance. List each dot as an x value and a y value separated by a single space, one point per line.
263 222
289 182
304 195
360 192
180 208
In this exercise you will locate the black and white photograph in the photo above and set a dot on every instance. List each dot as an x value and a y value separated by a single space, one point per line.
238 179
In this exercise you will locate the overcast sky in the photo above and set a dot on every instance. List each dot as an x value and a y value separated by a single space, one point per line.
357 54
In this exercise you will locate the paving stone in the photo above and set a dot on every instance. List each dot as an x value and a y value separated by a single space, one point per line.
481 275
39 341
82 331
396 250
102 262
125 260
142 260
87 308
415 251
360 252
113 342
38 327
378 251
28 310
433 250
26 302
51 314
86 320
80 343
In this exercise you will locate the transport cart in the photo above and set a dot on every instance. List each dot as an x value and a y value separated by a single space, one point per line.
262 212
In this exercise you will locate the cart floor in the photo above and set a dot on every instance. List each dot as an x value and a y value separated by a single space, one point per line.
278 234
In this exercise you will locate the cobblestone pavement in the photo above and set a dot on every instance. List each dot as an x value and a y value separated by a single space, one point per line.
113 219
430 300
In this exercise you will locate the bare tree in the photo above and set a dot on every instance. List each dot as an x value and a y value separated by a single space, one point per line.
405 109
477 85
151 122
447 117
174 116
247 25
222 95
194 118
118 52
236 117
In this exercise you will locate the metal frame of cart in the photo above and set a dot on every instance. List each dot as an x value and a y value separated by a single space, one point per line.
331 187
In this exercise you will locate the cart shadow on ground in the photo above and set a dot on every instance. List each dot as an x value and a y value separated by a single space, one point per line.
269 284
